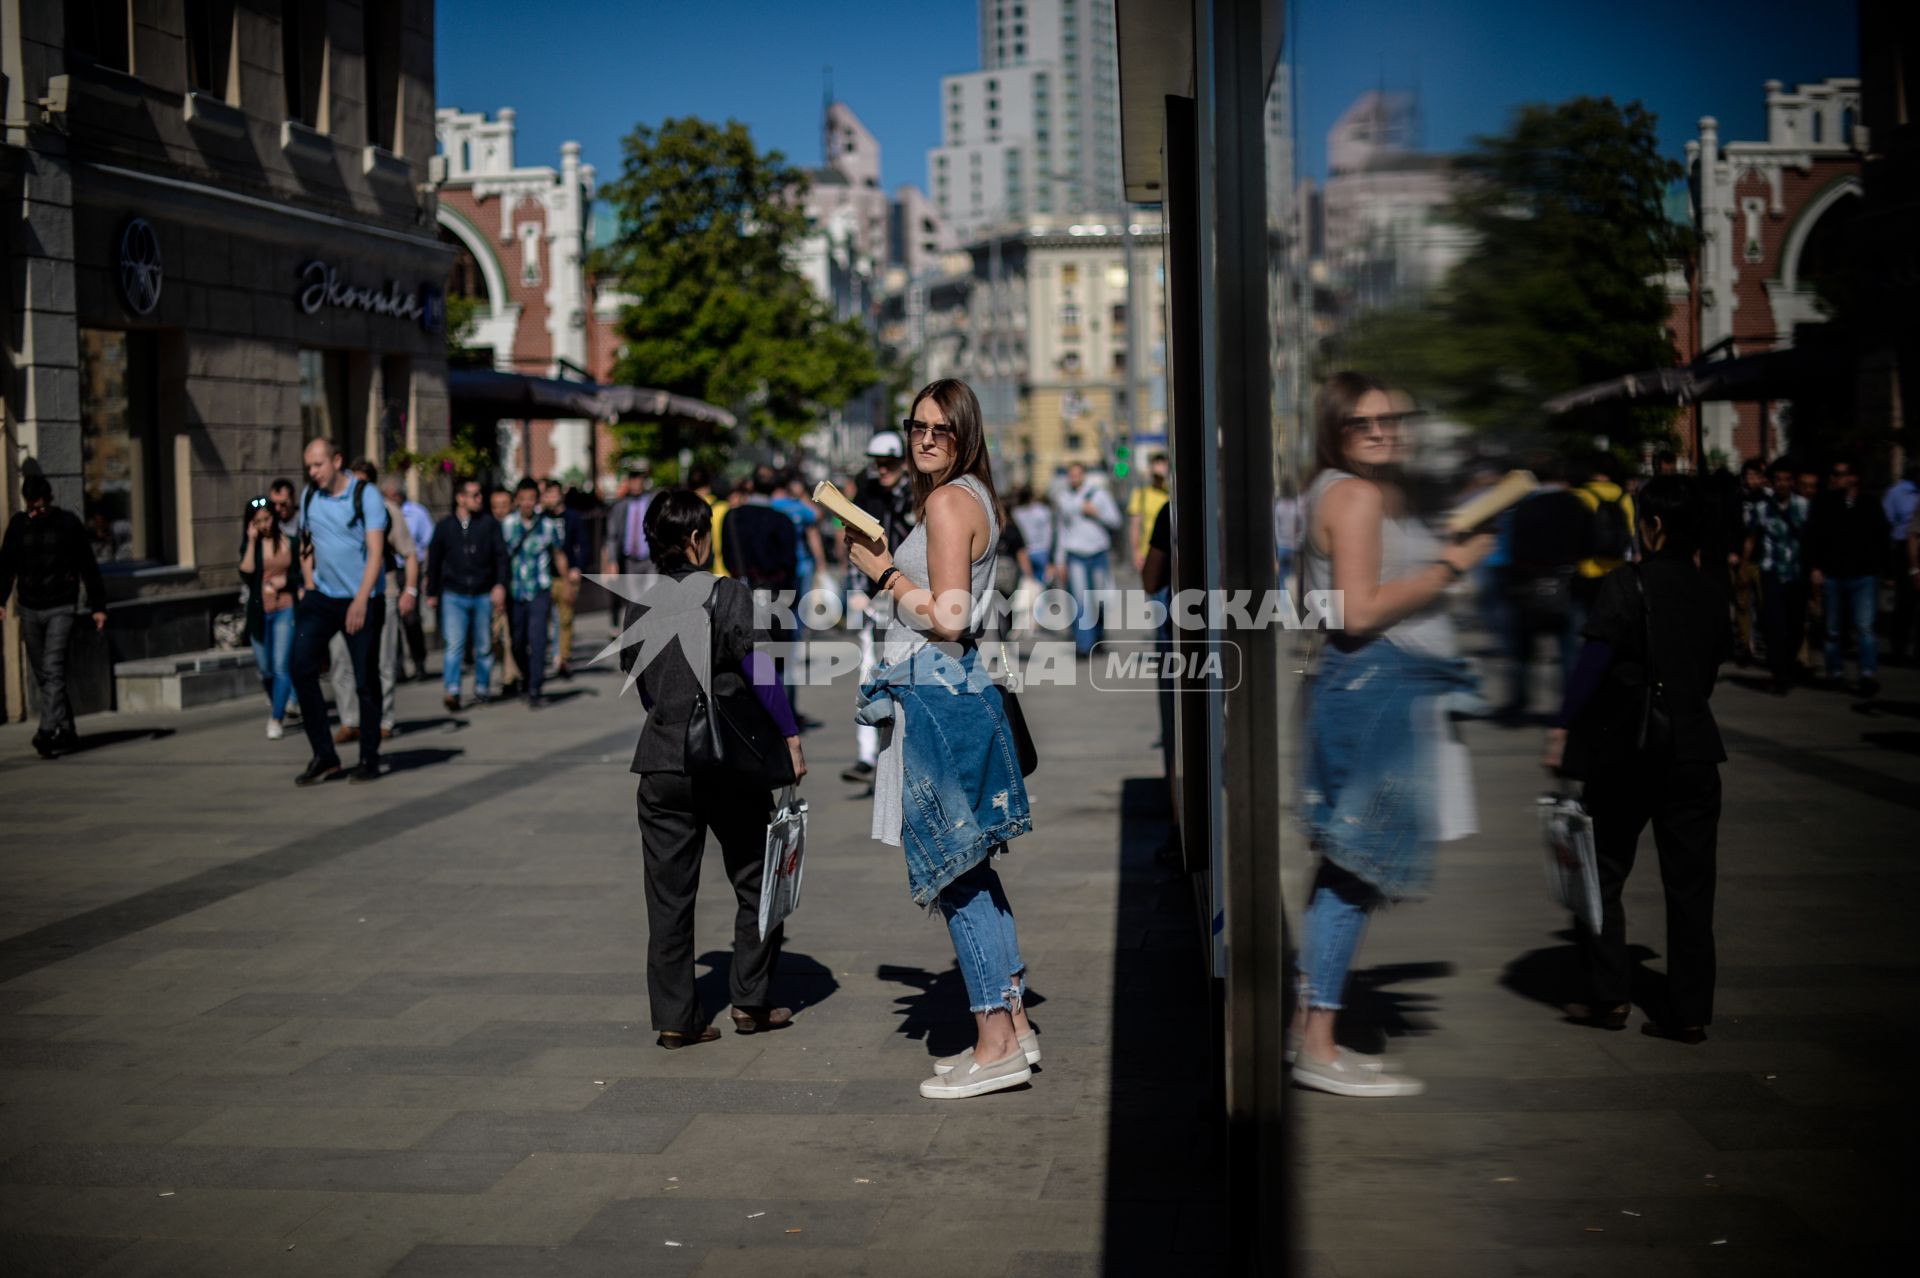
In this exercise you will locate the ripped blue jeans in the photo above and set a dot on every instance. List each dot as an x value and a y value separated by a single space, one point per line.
981 924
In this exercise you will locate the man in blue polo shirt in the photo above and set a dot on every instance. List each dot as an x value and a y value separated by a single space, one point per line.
343 558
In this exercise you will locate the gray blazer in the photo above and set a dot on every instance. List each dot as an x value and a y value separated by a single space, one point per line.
668 685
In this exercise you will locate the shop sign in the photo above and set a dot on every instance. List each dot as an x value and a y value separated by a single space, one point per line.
321 286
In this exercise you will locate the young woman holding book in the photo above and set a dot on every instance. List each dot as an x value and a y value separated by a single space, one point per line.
947 787
1375 711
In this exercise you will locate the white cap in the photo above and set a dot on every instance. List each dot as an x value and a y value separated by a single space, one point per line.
886 443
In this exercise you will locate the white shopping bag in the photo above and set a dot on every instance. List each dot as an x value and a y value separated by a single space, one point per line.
786 850
1573 876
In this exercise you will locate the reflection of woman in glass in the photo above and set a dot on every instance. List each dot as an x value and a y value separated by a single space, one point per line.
265 565
1375 712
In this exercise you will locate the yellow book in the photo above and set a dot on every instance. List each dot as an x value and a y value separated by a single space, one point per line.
1482 508
849 514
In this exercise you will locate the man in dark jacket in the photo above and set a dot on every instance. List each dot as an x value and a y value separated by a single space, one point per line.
566 586
1847 538
467 579
49 552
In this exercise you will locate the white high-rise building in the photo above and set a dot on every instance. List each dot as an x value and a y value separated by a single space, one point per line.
1037 128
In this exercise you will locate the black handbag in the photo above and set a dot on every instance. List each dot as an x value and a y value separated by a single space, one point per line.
1655 727
731 735
1023 747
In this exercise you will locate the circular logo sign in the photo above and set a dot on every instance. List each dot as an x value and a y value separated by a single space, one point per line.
140 271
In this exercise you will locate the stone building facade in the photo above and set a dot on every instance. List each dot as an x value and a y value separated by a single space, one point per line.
220 242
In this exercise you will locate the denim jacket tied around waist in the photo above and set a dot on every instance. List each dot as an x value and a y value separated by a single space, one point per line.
1368 788
963 792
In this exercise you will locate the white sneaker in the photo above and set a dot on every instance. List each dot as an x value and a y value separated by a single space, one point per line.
975 1079
1342 1077
275 730
1029 1043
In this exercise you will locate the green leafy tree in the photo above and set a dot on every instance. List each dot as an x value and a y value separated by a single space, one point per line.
707 225
1563 285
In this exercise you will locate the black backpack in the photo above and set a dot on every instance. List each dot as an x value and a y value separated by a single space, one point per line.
354 520
1612 536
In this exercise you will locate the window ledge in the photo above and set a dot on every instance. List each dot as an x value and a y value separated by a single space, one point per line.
205 111
301 139
383 165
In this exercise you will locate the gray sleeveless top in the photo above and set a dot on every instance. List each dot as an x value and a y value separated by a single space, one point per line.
903 638
1406 546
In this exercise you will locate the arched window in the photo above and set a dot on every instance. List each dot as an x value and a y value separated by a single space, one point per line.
465 278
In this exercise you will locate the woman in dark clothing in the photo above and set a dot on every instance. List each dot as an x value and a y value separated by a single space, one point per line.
677 809
1644 739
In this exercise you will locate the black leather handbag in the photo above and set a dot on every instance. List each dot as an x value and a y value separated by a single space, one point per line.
731 735
1023 747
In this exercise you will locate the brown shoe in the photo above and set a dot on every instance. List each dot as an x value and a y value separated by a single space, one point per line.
674 1039
452 703
344 734
386 734
754 1020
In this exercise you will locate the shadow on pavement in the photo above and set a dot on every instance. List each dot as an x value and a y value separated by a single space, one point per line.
443 723
1557 977
413 760
802 982
1166 1156
1377 1012
119 736
1905 742
936 1013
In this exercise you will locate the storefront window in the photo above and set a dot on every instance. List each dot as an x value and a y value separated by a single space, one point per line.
323 398
119 454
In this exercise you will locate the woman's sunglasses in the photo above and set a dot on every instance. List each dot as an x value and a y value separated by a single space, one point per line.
940 433
1360 424
259 503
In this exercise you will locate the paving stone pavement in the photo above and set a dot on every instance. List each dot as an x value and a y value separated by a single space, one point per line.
402 1029
1781 1146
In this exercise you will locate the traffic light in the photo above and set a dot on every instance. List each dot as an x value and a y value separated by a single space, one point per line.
1122 458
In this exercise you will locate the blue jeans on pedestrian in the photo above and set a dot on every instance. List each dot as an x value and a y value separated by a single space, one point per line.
1856 600
1039 559
1336 918
273 653
981 924
467 621
1086 574
528 621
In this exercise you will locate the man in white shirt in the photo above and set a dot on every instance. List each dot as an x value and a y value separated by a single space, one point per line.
1085 520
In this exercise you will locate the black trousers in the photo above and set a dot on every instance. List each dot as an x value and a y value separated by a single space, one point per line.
1682 802
676 811
316 619
1783 619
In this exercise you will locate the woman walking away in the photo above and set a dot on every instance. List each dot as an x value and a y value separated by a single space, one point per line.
265 566
1637 728
945 738
677 808
1375 712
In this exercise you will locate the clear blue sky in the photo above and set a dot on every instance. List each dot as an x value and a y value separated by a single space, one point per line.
590 70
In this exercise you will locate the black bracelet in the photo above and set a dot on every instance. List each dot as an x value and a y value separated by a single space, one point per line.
885 577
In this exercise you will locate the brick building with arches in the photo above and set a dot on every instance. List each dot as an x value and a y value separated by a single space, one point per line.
1773 217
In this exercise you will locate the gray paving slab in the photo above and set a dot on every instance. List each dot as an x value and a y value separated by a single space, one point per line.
404 1028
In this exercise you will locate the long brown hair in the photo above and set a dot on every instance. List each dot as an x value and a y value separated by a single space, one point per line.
962 410
1336 402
